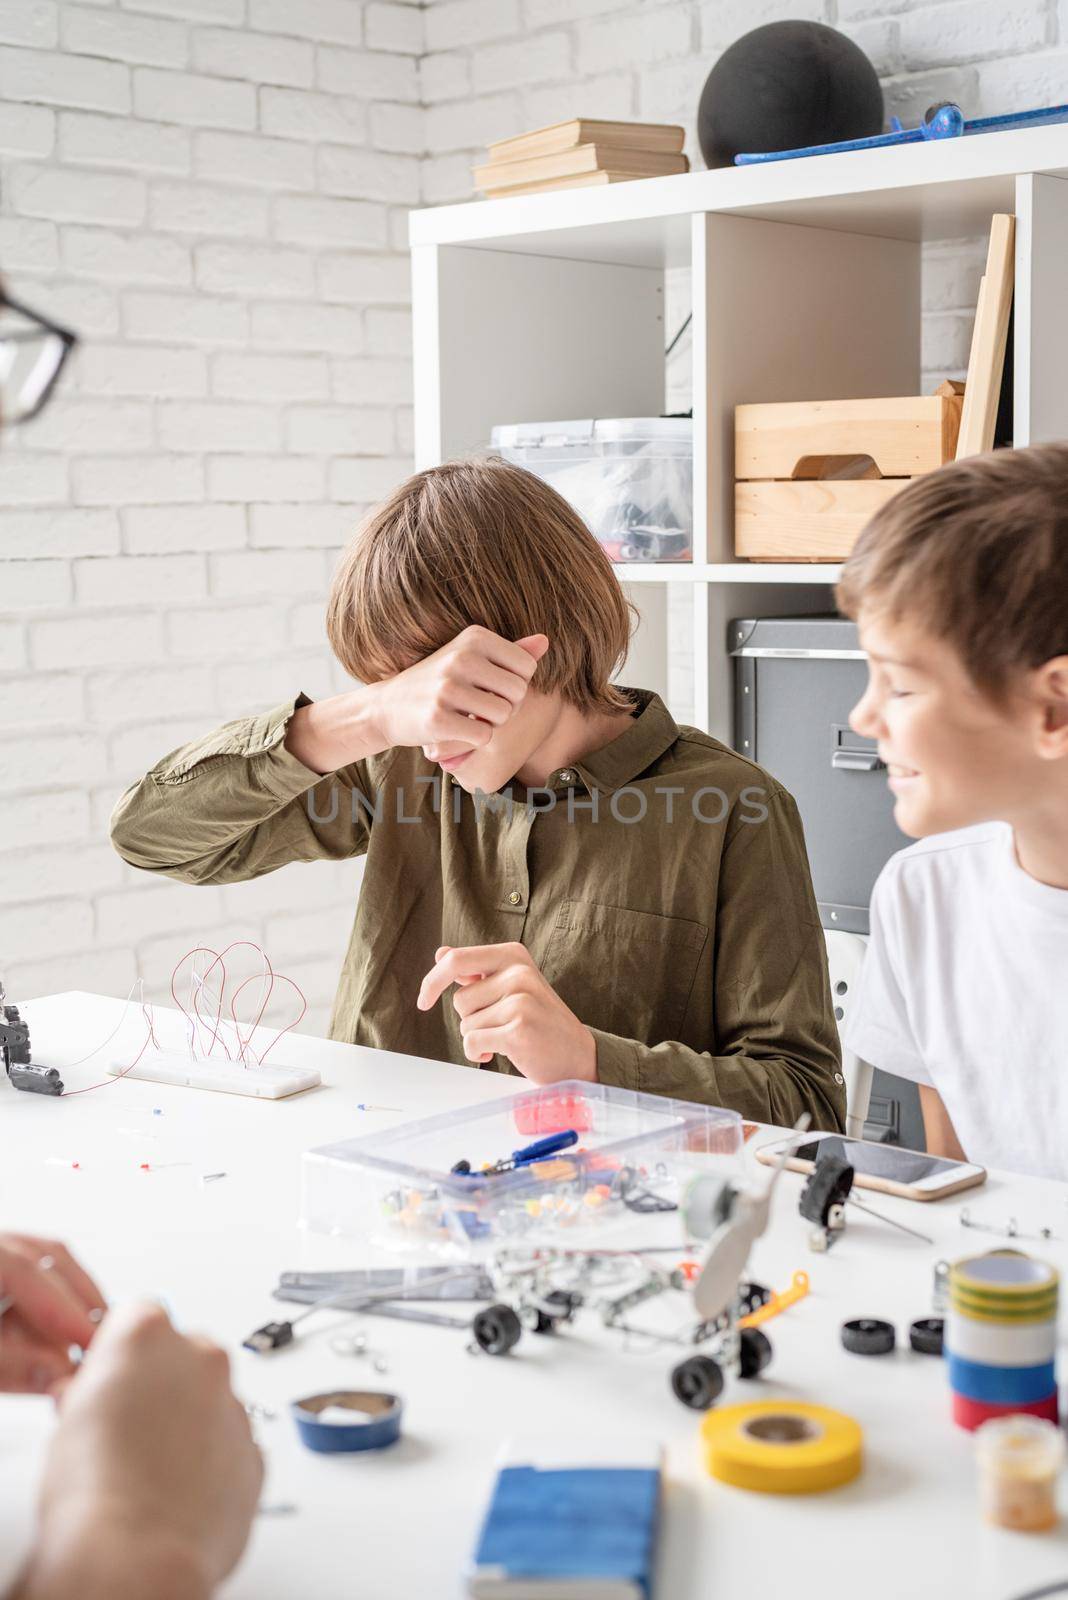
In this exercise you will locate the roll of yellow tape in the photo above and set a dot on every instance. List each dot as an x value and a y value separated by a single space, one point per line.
782 1447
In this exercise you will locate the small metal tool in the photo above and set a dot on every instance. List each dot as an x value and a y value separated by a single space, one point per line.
1005 1230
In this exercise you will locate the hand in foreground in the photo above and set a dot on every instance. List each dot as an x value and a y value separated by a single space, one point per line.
461 693
506 1007
51 1304
152 1478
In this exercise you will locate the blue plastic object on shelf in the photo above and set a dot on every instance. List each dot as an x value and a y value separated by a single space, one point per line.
945 121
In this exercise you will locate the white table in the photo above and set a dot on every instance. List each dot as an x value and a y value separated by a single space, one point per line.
400 1524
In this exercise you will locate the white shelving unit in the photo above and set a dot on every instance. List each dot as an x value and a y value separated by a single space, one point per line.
806 285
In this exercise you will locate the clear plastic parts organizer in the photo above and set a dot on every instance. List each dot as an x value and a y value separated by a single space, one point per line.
635 1154
629 478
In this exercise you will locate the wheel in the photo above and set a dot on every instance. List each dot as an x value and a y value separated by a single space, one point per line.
565 1302
925 1336
868 1336
697 1382
497 1330
828 1185
751 1296
564 1305
754 1352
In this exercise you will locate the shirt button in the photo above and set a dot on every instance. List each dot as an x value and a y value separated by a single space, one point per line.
838 1078
515 897
566 775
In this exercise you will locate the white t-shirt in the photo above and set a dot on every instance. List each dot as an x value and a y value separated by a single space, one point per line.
965 987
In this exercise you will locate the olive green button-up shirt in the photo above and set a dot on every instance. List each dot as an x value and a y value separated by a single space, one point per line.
660 884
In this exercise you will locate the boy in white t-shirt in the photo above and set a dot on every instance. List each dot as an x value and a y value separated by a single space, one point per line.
960 590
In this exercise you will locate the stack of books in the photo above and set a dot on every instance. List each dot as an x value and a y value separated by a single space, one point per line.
575 154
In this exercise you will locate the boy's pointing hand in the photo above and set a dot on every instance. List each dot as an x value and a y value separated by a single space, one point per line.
506 1007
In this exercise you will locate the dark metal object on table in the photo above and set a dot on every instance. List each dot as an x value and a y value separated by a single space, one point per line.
15 1054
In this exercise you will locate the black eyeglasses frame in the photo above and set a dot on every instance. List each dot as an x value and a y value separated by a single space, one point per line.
68 338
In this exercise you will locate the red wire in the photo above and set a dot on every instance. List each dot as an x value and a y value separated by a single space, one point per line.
196 951
280 977
244 1045
67 1093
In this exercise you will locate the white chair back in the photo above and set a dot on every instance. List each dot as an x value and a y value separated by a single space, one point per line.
845 957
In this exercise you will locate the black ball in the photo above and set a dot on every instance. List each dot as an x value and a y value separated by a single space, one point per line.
785 85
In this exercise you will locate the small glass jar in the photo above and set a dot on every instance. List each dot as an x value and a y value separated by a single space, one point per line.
1020 1459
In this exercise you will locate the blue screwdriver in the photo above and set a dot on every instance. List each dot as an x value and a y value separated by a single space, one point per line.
549 1146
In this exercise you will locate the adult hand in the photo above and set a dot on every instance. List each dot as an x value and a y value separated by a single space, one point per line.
153 1477
460 694
51 1304
506 1007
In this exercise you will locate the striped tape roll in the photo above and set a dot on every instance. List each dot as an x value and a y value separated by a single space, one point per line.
1040 1308
1004 1286
1000 1344
1002 1385
971 1413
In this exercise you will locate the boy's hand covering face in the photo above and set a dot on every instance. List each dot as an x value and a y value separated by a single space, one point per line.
507 1008
453 701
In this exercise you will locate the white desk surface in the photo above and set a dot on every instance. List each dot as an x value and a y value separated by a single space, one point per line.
398 1525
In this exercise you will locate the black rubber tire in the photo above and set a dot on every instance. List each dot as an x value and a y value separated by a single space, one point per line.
496 1330
754 1352
697 1382
925 1336
867 1336
828 1185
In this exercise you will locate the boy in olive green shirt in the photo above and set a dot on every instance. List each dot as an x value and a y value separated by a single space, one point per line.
559 881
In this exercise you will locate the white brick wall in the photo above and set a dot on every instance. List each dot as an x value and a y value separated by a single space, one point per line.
214 192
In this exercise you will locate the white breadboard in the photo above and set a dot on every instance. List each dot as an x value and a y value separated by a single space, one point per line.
227 1077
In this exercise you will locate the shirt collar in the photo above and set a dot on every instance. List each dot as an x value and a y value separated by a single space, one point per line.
652 731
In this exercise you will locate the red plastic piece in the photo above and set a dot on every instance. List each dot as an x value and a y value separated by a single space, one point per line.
555 1114
971 1413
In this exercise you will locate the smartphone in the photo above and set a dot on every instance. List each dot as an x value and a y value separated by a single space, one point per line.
912 1174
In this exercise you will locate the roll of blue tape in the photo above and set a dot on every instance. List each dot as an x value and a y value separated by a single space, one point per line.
376 1420
1001 1385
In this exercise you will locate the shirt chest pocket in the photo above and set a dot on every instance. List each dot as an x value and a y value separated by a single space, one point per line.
626 972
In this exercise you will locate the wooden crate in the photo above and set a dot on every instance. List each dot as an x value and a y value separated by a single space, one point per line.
811 473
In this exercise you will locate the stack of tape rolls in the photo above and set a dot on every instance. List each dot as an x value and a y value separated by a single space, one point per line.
1001 1337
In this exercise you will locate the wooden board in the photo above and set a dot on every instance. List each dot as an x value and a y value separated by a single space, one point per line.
904 436
806 521
987 356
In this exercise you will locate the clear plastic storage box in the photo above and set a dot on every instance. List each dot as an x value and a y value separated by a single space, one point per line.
629 478
635 1154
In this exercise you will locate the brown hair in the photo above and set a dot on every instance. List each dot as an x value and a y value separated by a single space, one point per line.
977 553
481 541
